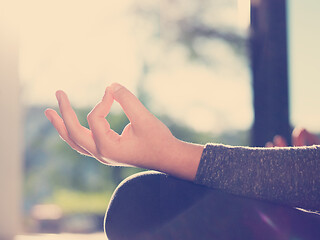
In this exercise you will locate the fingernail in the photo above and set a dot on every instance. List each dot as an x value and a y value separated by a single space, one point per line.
58 95
115 87
48 116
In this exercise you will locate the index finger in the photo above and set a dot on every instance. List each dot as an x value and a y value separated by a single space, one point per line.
132 107
104 137
59 125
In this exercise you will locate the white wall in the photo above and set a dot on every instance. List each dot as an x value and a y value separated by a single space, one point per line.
10 123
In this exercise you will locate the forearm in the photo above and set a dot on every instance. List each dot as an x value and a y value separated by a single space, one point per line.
284 175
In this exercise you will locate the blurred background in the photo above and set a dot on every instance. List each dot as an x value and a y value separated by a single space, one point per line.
188 61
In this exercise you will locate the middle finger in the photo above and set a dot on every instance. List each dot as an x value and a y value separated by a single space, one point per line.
79 134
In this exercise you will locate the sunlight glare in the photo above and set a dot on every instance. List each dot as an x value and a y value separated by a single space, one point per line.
244 13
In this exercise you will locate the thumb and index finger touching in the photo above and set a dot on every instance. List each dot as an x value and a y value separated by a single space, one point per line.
130 104
99 126
132 107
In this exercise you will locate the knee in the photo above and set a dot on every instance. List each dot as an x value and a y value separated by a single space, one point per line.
145 201
128 213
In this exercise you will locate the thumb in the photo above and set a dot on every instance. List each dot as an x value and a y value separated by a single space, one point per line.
130 104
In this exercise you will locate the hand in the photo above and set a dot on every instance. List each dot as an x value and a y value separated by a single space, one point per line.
300 137
145 142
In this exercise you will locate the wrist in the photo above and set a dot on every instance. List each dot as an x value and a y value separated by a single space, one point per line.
183 159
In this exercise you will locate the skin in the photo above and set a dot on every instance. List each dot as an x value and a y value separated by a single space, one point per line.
300 137
145 142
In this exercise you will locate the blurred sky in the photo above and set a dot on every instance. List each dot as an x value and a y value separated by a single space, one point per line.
304 57
83 46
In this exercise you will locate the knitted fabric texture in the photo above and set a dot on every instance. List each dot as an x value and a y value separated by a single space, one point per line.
289 176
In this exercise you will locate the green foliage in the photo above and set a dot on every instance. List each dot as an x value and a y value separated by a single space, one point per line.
72 201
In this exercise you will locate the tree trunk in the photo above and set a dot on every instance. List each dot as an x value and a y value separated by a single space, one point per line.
269 70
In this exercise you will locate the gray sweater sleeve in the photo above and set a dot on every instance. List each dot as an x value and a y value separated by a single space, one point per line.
289 176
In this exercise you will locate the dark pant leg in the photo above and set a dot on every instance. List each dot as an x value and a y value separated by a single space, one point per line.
157 206
145 201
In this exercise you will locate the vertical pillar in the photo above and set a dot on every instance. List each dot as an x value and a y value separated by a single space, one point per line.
269 70
10 123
